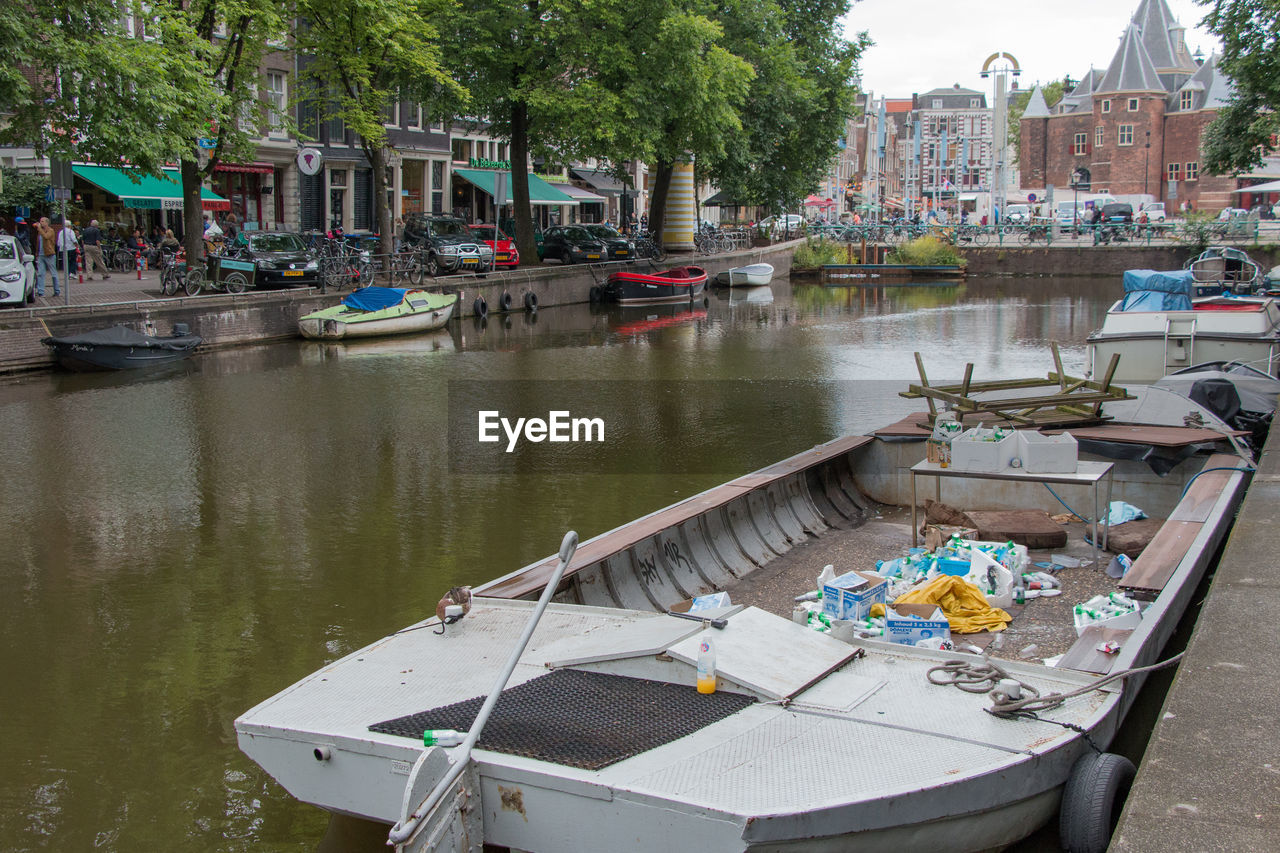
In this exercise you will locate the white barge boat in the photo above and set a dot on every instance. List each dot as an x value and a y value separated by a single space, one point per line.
1158 327
601 741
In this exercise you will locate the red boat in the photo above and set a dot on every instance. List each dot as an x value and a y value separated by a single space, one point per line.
673 285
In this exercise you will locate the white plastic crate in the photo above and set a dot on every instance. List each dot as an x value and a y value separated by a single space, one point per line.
973 450
1048 454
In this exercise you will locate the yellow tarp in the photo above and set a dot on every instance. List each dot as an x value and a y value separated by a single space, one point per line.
964 605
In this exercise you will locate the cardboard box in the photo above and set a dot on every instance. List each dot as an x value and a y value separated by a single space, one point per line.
974 450
710 601
1048 454
851 595
907 623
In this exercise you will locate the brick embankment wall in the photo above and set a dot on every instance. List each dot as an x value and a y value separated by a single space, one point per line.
1090 260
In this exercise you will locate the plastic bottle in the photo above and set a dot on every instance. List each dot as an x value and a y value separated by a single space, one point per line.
443 737
706 665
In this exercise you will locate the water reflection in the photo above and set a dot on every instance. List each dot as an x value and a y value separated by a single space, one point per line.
181 546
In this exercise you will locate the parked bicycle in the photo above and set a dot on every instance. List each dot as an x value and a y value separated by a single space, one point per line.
648 247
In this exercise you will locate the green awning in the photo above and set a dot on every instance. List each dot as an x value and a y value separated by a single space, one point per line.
540 192
148 192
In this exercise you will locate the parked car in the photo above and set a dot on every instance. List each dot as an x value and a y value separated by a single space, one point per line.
616 244
17 273
1154 211
1231 213
449 244
787 222
281 257
1017 214
572 244
504 249
1117 213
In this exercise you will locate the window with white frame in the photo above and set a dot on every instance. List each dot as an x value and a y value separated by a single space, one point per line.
1133 105
1125 135
1106 106
937 103
1175 172
414 119
1193 171
391 114
975 103
277 104
1081 144
249 112
1184 100
1099 135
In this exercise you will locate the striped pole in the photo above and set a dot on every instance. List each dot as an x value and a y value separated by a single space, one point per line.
681 214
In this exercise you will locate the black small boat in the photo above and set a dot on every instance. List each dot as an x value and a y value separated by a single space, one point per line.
121 348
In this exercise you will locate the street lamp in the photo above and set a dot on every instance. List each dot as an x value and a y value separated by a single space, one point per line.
1146 162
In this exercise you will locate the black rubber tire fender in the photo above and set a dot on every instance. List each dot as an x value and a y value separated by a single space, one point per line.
530 301
595 294
504 301
1092 800
480 308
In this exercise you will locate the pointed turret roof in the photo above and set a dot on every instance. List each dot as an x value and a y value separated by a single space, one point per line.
1081 97
1036 106
1131 69
1163 37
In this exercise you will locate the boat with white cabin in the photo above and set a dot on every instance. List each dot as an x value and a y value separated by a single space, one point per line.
809 742
1159 327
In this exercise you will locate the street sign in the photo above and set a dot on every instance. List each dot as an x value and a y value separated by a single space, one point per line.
60 173
309 161
500 189
1173 190
57 194
1031 197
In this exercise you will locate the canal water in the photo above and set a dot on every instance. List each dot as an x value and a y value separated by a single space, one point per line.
179 546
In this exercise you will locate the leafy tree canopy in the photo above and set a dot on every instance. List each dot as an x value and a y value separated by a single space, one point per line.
1053 93
1246 128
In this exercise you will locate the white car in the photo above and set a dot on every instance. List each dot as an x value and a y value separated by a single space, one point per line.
17 273
790 221
1232 213
1154 212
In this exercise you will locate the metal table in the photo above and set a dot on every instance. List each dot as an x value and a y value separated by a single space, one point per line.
1086 474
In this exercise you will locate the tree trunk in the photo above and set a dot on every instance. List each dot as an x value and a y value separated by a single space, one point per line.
381 211
658 203
192 213
526 241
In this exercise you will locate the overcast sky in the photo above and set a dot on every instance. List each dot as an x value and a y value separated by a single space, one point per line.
926 44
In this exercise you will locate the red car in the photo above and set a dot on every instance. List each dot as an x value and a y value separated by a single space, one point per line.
504 248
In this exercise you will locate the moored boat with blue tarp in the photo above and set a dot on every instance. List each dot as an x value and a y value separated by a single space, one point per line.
372 311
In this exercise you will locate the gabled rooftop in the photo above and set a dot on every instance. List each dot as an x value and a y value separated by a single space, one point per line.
1210 88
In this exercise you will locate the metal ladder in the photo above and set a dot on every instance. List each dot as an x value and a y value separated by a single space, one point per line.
1180 331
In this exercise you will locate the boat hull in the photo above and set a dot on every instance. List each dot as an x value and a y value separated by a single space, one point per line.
334 324
752 275
678 285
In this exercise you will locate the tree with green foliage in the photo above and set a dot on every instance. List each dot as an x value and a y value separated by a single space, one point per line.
96 90
1245 130
798 103
363 57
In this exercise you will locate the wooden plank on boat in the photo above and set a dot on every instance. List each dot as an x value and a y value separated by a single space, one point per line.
1204 490
1153 568
1161 436
768 654
1084 655
1031 527
533 578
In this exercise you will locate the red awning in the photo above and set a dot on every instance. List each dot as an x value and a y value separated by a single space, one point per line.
215 204
255 168
814 201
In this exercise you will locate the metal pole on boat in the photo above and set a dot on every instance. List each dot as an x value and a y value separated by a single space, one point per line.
404 829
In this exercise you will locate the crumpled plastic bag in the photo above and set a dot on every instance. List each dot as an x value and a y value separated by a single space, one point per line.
963 604
1119 512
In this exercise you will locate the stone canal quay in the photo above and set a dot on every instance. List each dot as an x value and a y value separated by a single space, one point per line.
226 320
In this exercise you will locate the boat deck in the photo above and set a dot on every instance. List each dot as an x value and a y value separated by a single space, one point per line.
809 743
1045 623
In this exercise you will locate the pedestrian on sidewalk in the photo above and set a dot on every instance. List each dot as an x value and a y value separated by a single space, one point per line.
67 243
91 240
46 256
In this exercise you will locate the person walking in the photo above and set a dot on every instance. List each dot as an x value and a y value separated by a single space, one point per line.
91 241
46 256
67 244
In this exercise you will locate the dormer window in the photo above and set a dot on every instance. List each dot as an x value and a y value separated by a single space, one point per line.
1184 100
937 103
1106 106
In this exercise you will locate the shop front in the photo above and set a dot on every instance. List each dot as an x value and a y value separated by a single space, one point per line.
128 199
473 198
250 188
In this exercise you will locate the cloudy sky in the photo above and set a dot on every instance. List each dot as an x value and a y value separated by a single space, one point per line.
925 44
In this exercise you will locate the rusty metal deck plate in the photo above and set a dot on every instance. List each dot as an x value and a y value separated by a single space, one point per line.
580 719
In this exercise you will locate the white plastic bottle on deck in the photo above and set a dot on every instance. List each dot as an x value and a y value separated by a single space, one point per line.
706 665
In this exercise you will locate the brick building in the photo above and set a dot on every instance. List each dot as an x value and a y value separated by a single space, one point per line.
1134 127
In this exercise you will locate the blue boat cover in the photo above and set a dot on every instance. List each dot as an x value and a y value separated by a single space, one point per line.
1156 290
374 298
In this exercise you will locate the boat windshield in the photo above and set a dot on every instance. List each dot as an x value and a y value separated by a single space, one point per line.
276 242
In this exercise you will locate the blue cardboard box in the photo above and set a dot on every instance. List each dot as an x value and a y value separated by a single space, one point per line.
851 595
